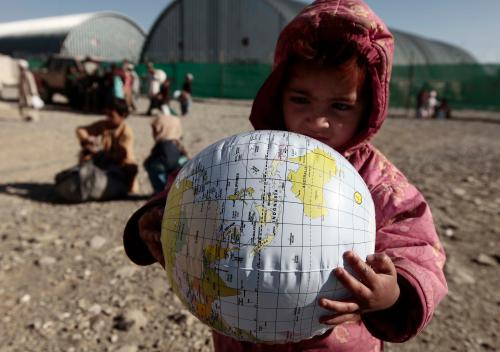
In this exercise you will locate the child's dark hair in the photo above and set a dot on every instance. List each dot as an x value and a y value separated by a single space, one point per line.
119 105
342 55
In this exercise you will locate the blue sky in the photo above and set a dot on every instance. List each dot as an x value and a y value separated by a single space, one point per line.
473 25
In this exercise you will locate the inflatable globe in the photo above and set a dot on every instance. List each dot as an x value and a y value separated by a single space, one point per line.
254 226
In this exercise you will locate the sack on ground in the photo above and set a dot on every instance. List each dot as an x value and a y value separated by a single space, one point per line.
87 182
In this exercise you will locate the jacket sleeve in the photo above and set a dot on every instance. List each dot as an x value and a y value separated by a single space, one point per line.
406 233
94 129
135 248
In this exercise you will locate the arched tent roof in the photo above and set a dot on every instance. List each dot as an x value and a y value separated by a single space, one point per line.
288 8
413 49
169 35
107 35
165 42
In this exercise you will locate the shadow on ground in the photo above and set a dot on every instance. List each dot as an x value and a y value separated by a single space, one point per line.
38 192
44 193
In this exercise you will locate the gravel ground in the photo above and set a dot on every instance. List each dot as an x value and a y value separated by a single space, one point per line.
66 284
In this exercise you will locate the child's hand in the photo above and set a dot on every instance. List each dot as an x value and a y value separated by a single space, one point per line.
90 144
377 288
150 232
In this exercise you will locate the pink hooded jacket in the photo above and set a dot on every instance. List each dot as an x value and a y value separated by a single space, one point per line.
405 229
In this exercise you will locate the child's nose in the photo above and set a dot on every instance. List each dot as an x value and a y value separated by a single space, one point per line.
320 122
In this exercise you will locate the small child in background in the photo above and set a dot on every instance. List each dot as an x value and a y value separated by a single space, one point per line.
186 94
330 81
443 110
168 154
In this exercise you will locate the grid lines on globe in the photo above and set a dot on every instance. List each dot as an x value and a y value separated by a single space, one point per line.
281 240
242 229
259 234
318 288
206 184
275 212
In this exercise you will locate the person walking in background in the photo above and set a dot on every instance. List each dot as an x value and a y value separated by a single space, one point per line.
136 83
164 97
432 103
168 154
73 87
185 98
128 82
118 76
95 86
112 86
29 100
422 99
156 78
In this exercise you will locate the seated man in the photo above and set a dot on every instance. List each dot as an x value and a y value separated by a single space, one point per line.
107 167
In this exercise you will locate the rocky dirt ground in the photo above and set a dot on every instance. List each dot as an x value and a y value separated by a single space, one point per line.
66 285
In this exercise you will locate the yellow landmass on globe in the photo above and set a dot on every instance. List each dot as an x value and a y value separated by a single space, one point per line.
212 285
213 254
316 168
170 225
274 167
265 214
263 244
212 288
358 198
241 194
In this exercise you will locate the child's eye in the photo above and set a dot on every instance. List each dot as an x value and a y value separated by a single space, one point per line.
341 106
299 100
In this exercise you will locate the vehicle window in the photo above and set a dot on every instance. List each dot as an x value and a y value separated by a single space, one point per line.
58 65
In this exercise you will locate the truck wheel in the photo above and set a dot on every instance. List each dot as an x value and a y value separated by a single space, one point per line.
46 94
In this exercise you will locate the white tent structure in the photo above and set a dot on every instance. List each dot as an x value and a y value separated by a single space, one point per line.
107 35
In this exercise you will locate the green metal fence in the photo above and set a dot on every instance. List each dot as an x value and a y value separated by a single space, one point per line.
464 86
36 64
235 81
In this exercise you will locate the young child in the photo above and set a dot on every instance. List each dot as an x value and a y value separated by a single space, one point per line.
331 75
186 96
168 154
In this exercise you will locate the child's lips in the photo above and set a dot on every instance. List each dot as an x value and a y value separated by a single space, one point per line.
319 138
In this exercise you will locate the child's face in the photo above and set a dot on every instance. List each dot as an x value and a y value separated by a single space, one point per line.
114 118
323 103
